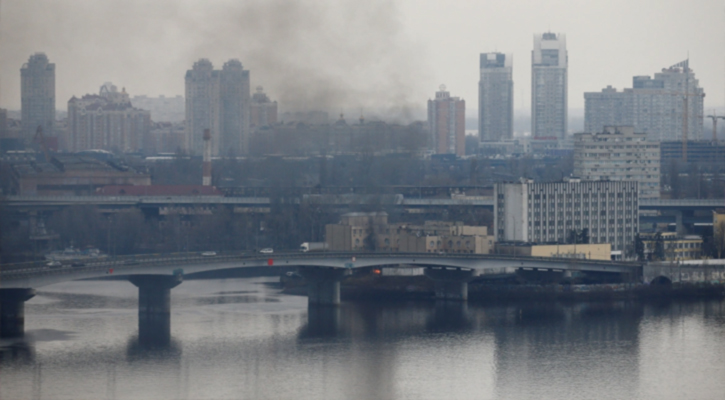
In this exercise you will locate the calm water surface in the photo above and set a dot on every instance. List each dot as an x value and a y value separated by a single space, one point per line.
242 339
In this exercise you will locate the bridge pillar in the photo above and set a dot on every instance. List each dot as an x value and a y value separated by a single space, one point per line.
679 225
12 311
323 285
679 215
450 284
154 307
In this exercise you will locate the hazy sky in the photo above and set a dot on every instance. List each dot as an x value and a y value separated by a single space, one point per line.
352 54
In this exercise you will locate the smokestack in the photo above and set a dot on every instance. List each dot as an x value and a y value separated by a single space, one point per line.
206 165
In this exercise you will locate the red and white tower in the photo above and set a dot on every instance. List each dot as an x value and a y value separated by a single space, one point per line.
206 164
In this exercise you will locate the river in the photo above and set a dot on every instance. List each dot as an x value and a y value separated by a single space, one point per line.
243 339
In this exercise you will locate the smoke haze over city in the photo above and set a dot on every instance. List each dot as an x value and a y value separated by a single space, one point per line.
380 56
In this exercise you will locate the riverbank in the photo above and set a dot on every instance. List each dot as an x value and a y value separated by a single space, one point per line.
391 288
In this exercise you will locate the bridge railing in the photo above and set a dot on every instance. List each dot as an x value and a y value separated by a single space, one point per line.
119 262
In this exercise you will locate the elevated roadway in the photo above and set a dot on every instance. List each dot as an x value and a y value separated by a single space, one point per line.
29 202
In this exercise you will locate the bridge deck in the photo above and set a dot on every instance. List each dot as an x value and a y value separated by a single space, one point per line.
36 275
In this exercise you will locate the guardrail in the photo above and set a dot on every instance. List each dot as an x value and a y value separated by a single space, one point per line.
155 200
16 270
135 199
681 203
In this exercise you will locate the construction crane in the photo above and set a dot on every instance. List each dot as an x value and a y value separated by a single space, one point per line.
40 139
685 65
715 117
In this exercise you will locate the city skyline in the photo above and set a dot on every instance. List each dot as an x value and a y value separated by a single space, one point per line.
393 63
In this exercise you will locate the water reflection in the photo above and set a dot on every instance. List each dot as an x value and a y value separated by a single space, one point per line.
153 347
583 347
449 316
226 348
322 321
16 352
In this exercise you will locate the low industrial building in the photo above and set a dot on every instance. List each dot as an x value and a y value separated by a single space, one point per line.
70 175
598 251
673 247
618 153
444 237
371 231
550 212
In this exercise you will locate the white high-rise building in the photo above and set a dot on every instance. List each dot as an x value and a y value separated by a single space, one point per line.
661 107
549 66
549 212
617 153
496 97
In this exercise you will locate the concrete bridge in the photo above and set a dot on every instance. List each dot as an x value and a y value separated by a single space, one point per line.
156 275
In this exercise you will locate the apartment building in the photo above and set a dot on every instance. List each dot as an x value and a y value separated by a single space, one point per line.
618 153
447 123
663 107
217 100
263 111
37 96
106 121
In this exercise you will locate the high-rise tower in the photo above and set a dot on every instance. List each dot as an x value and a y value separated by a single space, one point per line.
446 122
496 97
37 95
217 100
202 105
549 61
234 99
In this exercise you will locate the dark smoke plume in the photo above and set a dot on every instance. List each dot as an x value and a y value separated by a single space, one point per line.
336 55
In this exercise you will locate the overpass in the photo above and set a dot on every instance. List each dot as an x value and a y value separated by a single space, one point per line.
680 212
39 202
156 275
